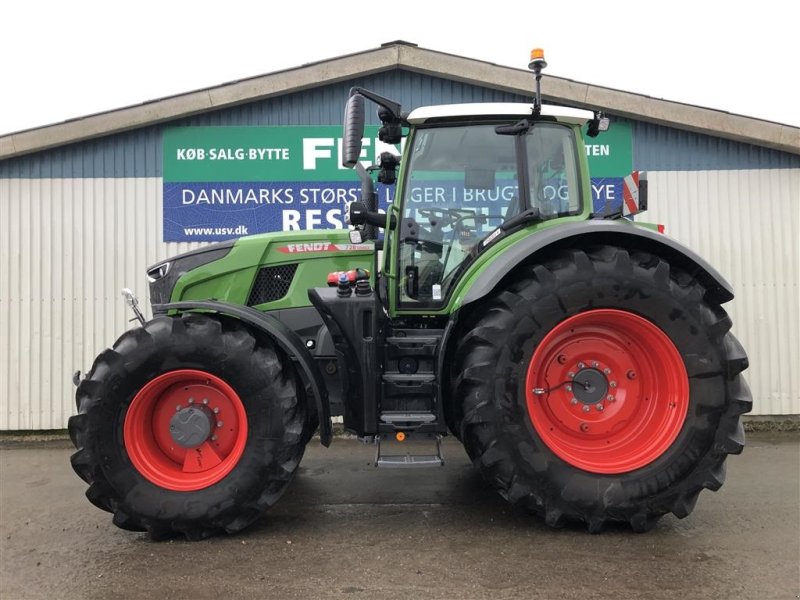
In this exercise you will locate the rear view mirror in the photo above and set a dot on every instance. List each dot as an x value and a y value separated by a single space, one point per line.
353 130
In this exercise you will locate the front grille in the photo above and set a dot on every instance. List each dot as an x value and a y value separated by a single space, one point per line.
272 283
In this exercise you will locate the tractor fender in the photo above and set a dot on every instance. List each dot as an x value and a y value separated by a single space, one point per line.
584 233
284 337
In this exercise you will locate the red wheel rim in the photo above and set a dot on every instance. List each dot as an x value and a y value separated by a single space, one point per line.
628 423
158 456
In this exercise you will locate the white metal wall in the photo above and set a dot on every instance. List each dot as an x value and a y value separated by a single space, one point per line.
747 225
67 246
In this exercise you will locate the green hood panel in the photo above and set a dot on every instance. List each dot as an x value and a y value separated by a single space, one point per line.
316 254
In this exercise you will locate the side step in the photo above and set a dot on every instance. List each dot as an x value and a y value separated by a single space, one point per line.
407 420
408 460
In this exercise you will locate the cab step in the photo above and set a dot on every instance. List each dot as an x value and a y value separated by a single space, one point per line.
408 460
407 420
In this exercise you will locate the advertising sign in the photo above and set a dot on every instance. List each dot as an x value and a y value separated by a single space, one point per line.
610 156
225 182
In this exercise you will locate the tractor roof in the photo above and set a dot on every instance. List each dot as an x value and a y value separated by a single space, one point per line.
420 115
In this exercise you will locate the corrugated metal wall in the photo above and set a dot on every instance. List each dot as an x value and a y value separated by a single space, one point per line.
80 222
668 149
745 223
68 247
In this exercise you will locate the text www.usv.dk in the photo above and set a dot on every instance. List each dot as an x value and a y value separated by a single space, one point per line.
240 230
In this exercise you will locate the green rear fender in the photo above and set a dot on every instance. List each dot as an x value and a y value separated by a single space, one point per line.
484 276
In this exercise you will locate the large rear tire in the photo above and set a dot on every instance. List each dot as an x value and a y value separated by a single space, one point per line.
189 425
600 385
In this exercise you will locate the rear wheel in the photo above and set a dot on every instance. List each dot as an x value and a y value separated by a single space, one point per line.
599 386
188 425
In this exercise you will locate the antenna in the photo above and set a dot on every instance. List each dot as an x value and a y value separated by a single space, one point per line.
536 65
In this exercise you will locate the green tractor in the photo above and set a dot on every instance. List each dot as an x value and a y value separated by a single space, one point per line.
583 360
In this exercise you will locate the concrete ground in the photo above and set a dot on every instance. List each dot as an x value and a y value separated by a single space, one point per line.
345 530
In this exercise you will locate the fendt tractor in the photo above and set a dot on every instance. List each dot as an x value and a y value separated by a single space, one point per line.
583 359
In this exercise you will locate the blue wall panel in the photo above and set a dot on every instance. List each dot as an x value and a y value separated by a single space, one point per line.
659 148
137 153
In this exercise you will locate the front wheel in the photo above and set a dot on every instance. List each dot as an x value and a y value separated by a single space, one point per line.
189 425
601 385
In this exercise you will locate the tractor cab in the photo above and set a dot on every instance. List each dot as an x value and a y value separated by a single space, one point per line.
473 174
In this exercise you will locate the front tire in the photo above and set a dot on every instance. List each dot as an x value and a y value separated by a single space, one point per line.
601 385
189 425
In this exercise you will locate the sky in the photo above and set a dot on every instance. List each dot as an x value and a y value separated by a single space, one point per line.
62 60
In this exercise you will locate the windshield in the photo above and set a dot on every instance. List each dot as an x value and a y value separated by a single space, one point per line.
462 183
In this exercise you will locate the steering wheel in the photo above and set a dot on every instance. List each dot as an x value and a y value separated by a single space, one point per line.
450 216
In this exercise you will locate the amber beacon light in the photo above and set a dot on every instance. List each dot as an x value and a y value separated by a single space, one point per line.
537 59
536 65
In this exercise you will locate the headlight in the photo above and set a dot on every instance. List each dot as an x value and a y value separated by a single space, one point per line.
164 275
158 272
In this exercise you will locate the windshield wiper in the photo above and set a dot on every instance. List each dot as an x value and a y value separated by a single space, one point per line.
521 127
529 215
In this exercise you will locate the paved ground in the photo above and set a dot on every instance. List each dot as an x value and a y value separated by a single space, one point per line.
347 531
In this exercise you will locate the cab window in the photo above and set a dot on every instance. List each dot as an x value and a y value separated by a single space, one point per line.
460 186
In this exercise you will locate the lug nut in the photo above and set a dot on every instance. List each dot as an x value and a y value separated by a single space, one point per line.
178 408
607 371
585 408
610 398
573 401
205 400
595 364
568 388
216 410
612 384
213 438
191 400
599 406
571 375
219 423
581 365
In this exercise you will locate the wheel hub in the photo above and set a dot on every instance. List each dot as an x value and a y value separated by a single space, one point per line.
590 386
191 426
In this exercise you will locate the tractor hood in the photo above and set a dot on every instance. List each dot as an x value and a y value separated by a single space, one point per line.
273 269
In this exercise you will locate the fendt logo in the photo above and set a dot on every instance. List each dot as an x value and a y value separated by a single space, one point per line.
324 247
307 247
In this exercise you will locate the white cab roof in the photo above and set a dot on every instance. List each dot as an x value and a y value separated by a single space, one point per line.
500 109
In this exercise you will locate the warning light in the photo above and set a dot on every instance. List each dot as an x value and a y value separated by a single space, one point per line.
536 65
400 436
537 59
